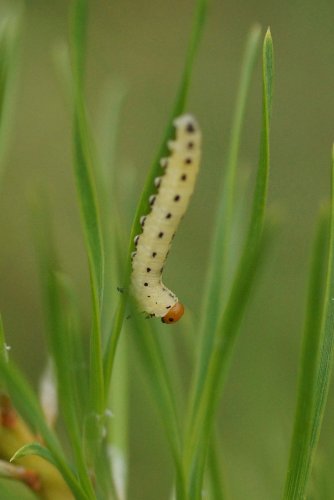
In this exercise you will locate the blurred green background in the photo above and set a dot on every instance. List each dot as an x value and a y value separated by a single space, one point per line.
140 44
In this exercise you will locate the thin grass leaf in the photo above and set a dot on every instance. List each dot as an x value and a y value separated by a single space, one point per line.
59 334
26 403
34 449
216 282
158 380
210 388
107 173
83 168
143 205
9 34
215 468
301 446
327 340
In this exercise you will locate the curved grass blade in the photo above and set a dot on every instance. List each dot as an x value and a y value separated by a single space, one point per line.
210 388
34 449
143 205
301 445
218 258
83 168
25 401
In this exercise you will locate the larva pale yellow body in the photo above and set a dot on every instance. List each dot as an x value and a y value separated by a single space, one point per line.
168 206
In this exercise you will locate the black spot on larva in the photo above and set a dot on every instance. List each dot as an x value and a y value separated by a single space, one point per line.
190 145
161 270
160 235
183 177
154 254
173 236
168 216
171 295
145 284
188 161
149 296
152 200
171 320
190 127
177 197
168 307
148 269
157 182
136 239
142 220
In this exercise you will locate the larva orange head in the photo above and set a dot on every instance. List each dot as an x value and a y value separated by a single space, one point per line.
174 314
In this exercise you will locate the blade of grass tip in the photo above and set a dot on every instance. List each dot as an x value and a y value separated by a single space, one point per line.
227 199
203 411
56 307
301 450
218 258
143 205
327 341
9 36
158 380
26 403
83 167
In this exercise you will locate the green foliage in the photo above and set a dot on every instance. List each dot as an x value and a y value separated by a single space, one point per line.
190 427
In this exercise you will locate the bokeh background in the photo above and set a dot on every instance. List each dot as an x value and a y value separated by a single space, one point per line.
139 45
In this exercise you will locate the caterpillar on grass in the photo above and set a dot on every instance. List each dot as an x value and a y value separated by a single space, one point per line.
168 205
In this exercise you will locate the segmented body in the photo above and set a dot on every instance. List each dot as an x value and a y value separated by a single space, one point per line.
168 206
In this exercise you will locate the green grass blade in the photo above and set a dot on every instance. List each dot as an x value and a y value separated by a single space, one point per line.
108 173
327 341
59 335
301 447
158 380
26 403
225 213
83 168
9 33
210 388
34 449
215 468
143 205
